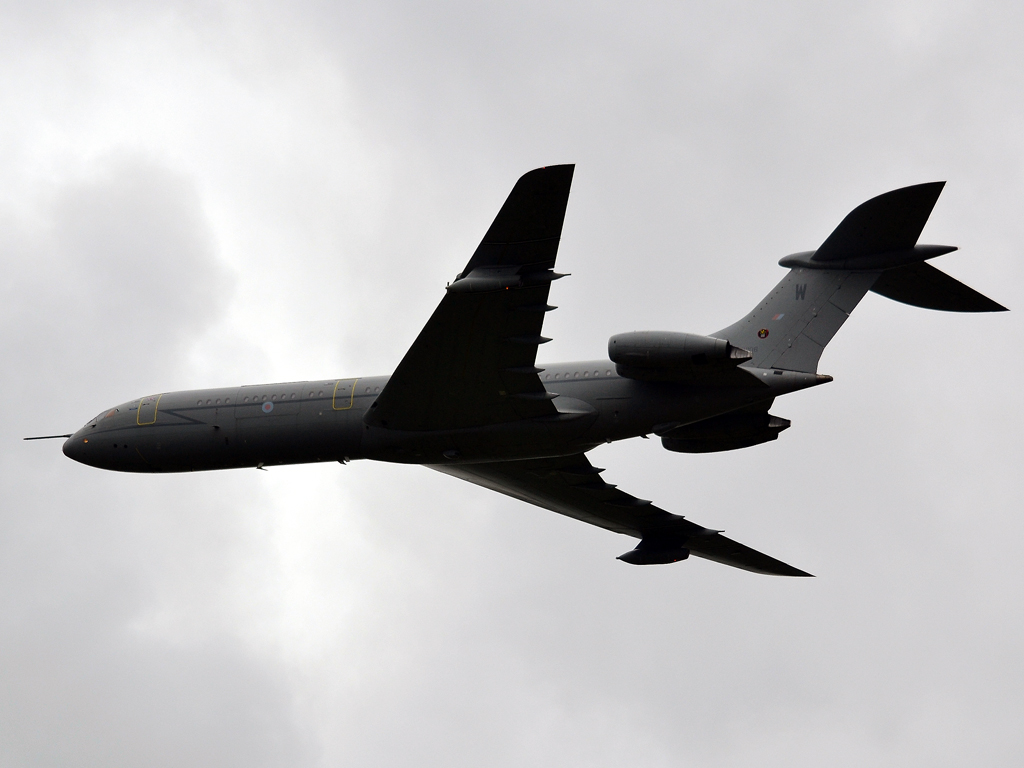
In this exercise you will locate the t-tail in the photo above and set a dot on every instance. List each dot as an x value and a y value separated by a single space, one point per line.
874 248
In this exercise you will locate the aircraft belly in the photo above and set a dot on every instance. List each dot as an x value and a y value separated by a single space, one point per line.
186 448
555 435
590 413
310 437
628 408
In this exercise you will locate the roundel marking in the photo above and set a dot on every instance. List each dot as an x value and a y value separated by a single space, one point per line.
268 407
763 333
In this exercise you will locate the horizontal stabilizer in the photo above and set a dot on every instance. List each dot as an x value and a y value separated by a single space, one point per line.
922 285
890 222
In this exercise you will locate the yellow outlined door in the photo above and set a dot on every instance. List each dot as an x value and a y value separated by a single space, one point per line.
147 410
344 394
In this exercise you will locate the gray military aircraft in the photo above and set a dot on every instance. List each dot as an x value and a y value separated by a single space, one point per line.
469 400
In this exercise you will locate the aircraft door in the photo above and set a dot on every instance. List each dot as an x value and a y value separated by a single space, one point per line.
148 407
344 394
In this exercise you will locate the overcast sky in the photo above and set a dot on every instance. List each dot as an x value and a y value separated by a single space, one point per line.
201 194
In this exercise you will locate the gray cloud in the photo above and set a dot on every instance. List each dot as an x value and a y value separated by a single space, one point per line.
111 274
120 265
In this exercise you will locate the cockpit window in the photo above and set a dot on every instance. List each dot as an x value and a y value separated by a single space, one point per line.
104 415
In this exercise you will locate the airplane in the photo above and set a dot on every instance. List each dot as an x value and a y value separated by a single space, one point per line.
469 400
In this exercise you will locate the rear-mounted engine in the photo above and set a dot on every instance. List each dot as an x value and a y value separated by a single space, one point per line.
653 355
725 433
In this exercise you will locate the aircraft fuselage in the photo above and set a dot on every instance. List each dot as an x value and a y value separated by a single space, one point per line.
322 420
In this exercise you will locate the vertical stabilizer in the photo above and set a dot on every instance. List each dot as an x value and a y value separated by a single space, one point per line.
791 326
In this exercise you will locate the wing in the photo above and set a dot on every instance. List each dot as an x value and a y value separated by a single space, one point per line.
473 363
572 486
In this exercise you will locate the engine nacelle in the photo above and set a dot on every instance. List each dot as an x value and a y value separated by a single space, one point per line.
725 433
656 354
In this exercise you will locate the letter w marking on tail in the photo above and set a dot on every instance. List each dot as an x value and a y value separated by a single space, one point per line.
801 291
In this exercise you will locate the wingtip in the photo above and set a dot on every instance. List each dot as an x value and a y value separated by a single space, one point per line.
551 169
788 570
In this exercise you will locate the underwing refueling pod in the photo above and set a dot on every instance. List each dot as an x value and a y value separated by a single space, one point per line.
470 400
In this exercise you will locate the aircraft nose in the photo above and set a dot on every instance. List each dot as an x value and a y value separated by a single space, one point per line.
70 447
76 447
